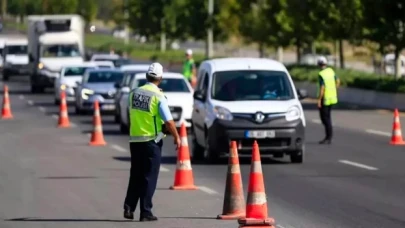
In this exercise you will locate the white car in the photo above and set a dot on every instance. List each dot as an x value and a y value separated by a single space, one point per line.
123 87
178 92
104 57
68 78
243 100
104 64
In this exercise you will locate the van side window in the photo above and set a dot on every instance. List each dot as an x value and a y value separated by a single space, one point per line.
200 79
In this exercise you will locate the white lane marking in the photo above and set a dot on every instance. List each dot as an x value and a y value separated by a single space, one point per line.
279 226
30 102
316 121
207 190
42 109
164 169
119 148
358 165
55 116
21 97
376 132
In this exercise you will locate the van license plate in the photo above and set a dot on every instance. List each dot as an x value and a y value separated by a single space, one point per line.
260 134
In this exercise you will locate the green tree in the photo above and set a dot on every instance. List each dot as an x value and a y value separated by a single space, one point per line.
384 23
60 6
342 21
87 9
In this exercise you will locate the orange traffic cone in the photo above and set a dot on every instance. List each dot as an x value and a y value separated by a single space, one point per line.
396 138
183 179
97 137
6 109
234 201
256 206
63 121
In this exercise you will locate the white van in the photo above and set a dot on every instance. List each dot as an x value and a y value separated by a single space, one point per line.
243 100
15 55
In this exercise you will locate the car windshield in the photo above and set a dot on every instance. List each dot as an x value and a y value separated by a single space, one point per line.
104 66
122 62
129 77
17 50
169 85
251 85
65 50
75 71
105 77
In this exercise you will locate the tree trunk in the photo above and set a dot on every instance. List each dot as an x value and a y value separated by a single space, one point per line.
398 63
261 50
280 54
298 44
162 42
4 9
341 54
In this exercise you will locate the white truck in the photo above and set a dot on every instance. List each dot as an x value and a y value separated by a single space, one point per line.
54 41
15 58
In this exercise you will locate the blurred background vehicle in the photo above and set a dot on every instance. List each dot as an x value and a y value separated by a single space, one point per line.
15 54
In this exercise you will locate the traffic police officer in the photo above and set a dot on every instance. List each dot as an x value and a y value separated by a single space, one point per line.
189 68
148 111
327 97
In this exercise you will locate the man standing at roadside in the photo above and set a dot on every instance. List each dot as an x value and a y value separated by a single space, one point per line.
189 68
327 97
149 117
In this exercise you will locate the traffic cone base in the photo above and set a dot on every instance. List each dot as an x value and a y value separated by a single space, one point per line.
183 179
248 222
232 216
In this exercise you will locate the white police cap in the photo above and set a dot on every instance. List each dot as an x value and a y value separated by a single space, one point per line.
155 70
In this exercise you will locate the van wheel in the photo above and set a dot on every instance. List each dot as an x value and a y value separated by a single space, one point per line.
211 155
37 89
198 151
297 157
78 111
6 77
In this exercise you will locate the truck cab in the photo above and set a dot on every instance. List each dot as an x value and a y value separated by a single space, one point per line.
54 41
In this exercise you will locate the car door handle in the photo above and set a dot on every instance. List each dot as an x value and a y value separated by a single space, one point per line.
197 110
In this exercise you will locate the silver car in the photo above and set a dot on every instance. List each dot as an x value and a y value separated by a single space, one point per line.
97 84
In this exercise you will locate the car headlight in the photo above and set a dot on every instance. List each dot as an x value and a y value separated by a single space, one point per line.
86 93
293 113
63 87
41 66
222 113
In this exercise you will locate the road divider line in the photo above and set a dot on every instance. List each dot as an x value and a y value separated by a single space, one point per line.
21 97
358 165
30 102
164 169
316 121
207 190
376 132
42 109
119 148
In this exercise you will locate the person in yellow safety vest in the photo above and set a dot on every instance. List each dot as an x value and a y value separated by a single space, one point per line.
327 97
148 112
189 68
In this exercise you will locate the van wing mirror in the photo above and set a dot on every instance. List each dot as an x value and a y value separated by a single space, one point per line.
302 94
199 95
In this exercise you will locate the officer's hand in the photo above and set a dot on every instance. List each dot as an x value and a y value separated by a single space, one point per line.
177 142
319 103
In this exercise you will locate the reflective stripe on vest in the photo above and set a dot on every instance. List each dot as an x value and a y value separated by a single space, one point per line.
145 121
330 94
187 68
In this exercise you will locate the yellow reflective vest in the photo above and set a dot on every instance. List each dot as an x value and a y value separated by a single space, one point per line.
144 118
330 94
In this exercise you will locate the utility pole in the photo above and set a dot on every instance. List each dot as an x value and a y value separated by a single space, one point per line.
210 33
126 16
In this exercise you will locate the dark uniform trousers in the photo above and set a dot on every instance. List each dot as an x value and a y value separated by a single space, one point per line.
326 118
145 165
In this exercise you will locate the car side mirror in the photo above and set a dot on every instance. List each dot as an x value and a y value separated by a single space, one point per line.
302 94
125 89
117 85
199 95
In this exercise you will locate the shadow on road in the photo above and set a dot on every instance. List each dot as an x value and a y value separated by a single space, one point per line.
63 220
105 132
69 177
223 161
